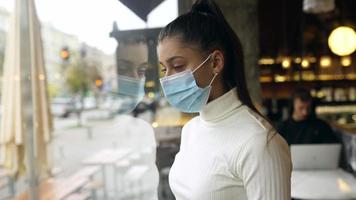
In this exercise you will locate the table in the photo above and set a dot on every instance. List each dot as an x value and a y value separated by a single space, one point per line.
56 188
10 183
323 185
168 134
105 158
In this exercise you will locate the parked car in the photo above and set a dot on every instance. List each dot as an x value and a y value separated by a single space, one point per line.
89 103
63 106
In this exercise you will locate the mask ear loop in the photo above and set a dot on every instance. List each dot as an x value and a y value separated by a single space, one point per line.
202 63
212 80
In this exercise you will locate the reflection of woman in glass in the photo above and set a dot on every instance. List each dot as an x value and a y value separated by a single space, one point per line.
138 134
131 68
229 151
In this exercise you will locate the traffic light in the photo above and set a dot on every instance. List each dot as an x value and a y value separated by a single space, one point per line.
65 55
98 83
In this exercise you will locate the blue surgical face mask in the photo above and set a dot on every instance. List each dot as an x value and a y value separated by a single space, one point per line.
131 91
183 93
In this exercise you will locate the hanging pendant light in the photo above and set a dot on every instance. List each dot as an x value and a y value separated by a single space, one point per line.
342 41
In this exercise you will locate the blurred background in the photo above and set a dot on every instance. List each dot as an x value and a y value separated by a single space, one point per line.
73 125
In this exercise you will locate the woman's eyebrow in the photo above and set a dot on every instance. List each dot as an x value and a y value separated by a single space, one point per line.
169 60
172 58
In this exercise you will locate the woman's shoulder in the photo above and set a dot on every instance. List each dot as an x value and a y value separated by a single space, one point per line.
258 120
188 128
272 141
269 150
260 134
191 123
248 123
261 150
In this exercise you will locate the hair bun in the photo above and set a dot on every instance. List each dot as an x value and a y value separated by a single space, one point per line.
202 6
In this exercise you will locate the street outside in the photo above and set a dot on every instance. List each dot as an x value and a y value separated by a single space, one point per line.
72 144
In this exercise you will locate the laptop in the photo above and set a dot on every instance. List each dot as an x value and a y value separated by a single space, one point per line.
315 156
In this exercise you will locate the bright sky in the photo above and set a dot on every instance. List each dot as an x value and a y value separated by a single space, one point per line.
91 20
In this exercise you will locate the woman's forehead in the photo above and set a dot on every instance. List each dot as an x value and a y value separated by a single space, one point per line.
136 52
173 46
171 43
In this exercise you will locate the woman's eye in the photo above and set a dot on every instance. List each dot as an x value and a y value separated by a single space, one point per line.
163 69
178 66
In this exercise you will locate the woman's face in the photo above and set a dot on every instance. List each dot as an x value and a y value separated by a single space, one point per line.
132 60
176 56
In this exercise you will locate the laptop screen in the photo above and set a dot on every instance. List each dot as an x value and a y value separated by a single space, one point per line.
315 156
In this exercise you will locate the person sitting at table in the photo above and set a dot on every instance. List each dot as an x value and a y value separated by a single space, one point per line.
303 126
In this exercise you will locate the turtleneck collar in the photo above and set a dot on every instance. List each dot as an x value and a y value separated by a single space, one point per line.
220 108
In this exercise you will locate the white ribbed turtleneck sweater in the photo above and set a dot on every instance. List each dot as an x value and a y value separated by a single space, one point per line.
224 155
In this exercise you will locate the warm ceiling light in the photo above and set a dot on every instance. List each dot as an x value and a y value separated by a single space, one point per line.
266 61
280 78
312 59
305 63
151 95
346 61
342 41
325 61
150 84
286 63
297 60
155 124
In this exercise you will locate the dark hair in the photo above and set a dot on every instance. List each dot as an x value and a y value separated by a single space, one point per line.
305 96
205 26
302 94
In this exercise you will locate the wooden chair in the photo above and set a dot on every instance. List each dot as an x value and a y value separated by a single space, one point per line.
7 182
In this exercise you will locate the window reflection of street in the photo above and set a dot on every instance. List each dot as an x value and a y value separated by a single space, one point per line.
138 134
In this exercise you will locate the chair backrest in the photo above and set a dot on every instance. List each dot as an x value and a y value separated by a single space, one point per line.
165 155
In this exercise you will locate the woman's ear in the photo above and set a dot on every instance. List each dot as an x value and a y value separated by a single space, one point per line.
218 60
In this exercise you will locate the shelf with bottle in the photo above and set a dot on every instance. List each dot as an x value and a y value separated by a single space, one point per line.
330 91
308 68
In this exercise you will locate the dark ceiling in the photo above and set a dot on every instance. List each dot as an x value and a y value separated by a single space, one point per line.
285 28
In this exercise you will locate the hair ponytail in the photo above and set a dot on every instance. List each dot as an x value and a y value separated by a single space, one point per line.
235 75
204 7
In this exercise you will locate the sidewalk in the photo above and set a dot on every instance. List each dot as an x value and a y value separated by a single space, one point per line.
72 144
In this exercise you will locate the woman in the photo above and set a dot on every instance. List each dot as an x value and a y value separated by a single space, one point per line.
229 151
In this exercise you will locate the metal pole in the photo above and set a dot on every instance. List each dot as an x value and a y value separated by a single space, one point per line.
27 97
153 62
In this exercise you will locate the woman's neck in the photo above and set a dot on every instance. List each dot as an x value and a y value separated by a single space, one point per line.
217 91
